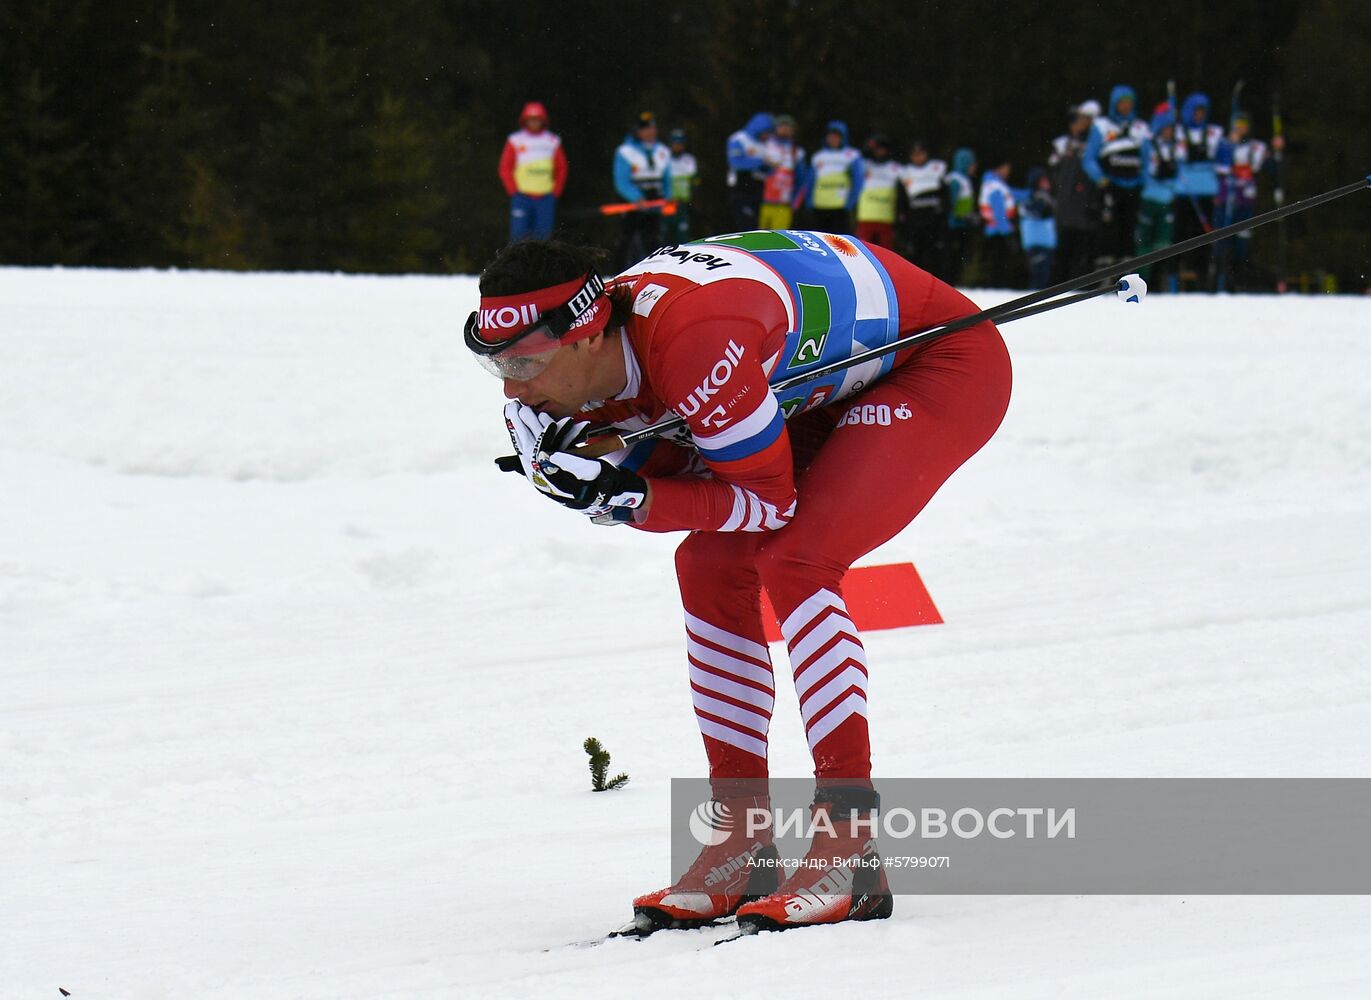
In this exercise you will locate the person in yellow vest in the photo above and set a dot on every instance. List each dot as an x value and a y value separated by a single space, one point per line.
683 173
533 171
876 204
835 181
783 190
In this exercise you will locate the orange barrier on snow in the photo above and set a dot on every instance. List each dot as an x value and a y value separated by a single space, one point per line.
877 597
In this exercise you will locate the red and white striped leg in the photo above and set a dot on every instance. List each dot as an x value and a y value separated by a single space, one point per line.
829 664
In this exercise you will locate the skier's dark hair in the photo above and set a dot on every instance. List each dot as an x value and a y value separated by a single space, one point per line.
528 265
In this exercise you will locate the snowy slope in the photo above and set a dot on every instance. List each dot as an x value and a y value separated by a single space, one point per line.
293 683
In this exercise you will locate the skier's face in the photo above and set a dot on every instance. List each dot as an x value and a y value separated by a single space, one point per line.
573 377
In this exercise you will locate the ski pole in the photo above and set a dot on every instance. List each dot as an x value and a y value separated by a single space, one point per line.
611 442
1131 286
1005 312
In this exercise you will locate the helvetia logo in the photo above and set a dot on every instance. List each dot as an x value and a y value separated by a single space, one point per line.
711 823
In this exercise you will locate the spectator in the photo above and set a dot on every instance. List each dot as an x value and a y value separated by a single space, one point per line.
533 171
1078 211
962 218
1196 185
747 170
642 173
835 181
876 205
683 173
1156 216
1038 228
924 181
998 211
1240 159
786 181
1113 159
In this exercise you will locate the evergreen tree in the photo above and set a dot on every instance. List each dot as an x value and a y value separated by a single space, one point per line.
1329 142
312 169
395 226
43 170
152 171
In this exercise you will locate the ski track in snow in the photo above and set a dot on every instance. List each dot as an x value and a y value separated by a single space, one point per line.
293 683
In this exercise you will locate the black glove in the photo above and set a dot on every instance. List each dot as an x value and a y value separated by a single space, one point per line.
599 489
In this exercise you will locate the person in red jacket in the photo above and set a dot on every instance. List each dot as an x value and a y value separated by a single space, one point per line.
533 171
706 331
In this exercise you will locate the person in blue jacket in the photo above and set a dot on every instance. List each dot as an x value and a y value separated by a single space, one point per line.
747 169
1038 228
1114 161
835 181
642 173
1198 138
1162 160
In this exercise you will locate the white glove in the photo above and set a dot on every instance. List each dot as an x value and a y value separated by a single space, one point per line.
536 434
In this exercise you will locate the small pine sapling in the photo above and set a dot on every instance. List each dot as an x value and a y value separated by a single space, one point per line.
599 767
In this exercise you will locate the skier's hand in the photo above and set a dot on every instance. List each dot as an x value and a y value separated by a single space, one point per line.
535 433
599 489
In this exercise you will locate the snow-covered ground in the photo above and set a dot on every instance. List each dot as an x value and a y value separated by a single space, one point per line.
293 684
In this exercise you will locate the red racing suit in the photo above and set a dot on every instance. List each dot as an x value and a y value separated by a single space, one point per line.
790 506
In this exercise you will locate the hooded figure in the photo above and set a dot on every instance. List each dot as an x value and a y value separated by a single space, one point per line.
533 172
1200 137
1161 155
835 173
1156 214
1113 160
963 193
1113 154
747 169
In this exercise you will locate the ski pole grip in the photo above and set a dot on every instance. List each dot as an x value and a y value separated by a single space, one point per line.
600 447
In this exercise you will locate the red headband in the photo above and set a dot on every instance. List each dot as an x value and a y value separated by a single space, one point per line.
505 315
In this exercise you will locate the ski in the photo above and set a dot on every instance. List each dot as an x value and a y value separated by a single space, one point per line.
641 927
743 931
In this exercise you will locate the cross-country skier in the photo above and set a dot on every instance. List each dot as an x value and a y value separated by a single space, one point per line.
701 331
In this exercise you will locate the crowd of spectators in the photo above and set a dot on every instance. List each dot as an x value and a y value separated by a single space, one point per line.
1114 184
